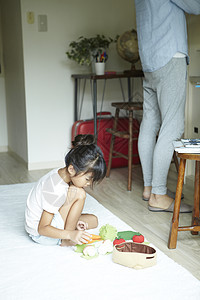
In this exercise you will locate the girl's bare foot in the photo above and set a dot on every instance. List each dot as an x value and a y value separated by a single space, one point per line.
67 243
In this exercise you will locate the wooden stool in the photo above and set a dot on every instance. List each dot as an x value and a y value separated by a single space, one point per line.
130 107
195 227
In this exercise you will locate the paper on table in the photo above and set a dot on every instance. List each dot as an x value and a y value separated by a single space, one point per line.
180 148
193 143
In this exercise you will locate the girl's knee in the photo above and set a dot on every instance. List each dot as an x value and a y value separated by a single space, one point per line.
90 219
93 222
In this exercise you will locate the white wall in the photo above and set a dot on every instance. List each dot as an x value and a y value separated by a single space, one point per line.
40 107
193 110
193 99
3 117
14 77
49 89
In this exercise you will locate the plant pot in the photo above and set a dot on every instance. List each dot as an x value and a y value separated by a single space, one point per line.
99 68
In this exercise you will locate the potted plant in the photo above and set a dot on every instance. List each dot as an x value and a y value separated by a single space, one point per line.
84 50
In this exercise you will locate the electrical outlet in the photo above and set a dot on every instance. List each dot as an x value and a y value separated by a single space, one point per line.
42 23
196 129
30 17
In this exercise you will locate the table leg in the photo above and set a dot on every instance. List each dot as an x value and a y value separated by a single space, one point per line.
130 150
129 90
76 100
112 142
175 219
94 100
195 214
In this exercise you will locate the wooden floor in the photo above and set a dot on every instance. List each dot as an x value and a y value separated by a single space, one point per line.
129 207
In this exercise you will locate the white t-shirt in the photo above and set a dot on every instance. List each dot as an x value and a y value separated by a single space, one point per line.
48 194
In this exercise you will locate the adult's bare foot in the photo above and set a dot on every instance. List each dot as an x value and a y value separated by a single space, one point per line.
160 201
146 193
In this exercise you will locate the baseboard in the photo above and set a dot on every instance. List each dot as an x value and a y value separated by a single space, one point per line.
45 165
17 157
3 148
37 165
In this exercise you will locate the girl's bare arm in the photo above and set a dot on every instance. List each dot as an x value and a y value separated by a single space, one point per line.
45 228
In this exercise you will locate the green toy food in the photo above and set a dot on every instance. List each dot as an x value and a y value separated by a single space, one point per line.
127 235
108 232
80 248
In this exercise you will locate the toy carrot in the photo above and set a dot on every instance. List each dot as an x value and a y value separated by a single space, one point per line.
95 238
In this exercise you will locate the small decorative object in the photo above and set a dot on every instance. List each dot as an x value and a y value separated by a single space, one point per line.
137 256
101 58
127 47
85 50
99 68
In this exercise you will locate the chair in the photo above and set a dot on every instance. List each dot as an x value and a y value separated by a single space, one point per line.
195 226
129 107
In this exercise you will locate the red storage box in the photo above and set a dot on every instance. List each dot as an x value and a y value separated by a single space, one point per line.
104 121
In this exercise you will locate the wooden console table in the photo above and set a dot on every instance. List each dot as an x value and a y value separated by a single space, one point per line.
94 78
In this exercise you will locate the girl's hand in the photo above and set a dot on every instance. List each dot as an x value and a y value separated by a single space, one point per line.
82 225
79 236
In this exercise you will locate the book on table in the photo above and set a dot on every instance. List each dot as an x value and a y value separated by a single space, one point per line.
192 143
187 146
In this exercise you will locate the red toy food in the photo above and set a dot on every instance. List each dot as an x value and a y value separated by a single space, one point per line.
138 238
118 241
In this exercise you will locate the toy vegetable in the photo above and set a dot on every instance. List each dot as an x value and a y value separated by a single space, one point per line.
106 247
95 238
127 235
108 232
138 238
118 241
89 250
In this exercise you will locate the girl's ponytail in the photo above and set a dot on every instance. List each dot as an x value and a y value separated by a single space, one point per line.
83 139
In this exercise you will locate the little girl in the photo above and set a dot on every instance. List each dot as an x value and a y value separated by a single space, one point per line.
53 213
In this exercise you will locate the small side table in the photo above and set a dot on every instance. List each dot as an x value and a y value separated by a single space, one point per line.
94 78
195 226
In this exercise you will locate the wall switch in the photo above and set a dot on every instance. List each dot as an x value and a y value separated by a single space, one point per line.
196 129
30 17
42 23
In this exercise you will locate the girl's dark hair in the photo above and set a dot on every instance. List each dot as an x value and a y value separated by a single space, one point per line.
85 156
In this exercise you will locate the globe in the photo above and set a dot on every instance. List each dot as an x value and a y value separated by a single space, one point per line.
127 47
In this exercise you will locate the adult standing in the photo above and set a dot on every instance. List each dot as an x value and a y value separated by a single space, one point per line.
162 39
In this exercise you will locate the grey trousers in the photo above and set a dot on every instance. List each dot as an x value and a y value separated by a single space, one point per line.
163 117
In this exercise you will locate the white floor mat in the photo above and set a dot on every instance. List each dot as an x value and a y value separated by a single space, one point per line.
31 271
